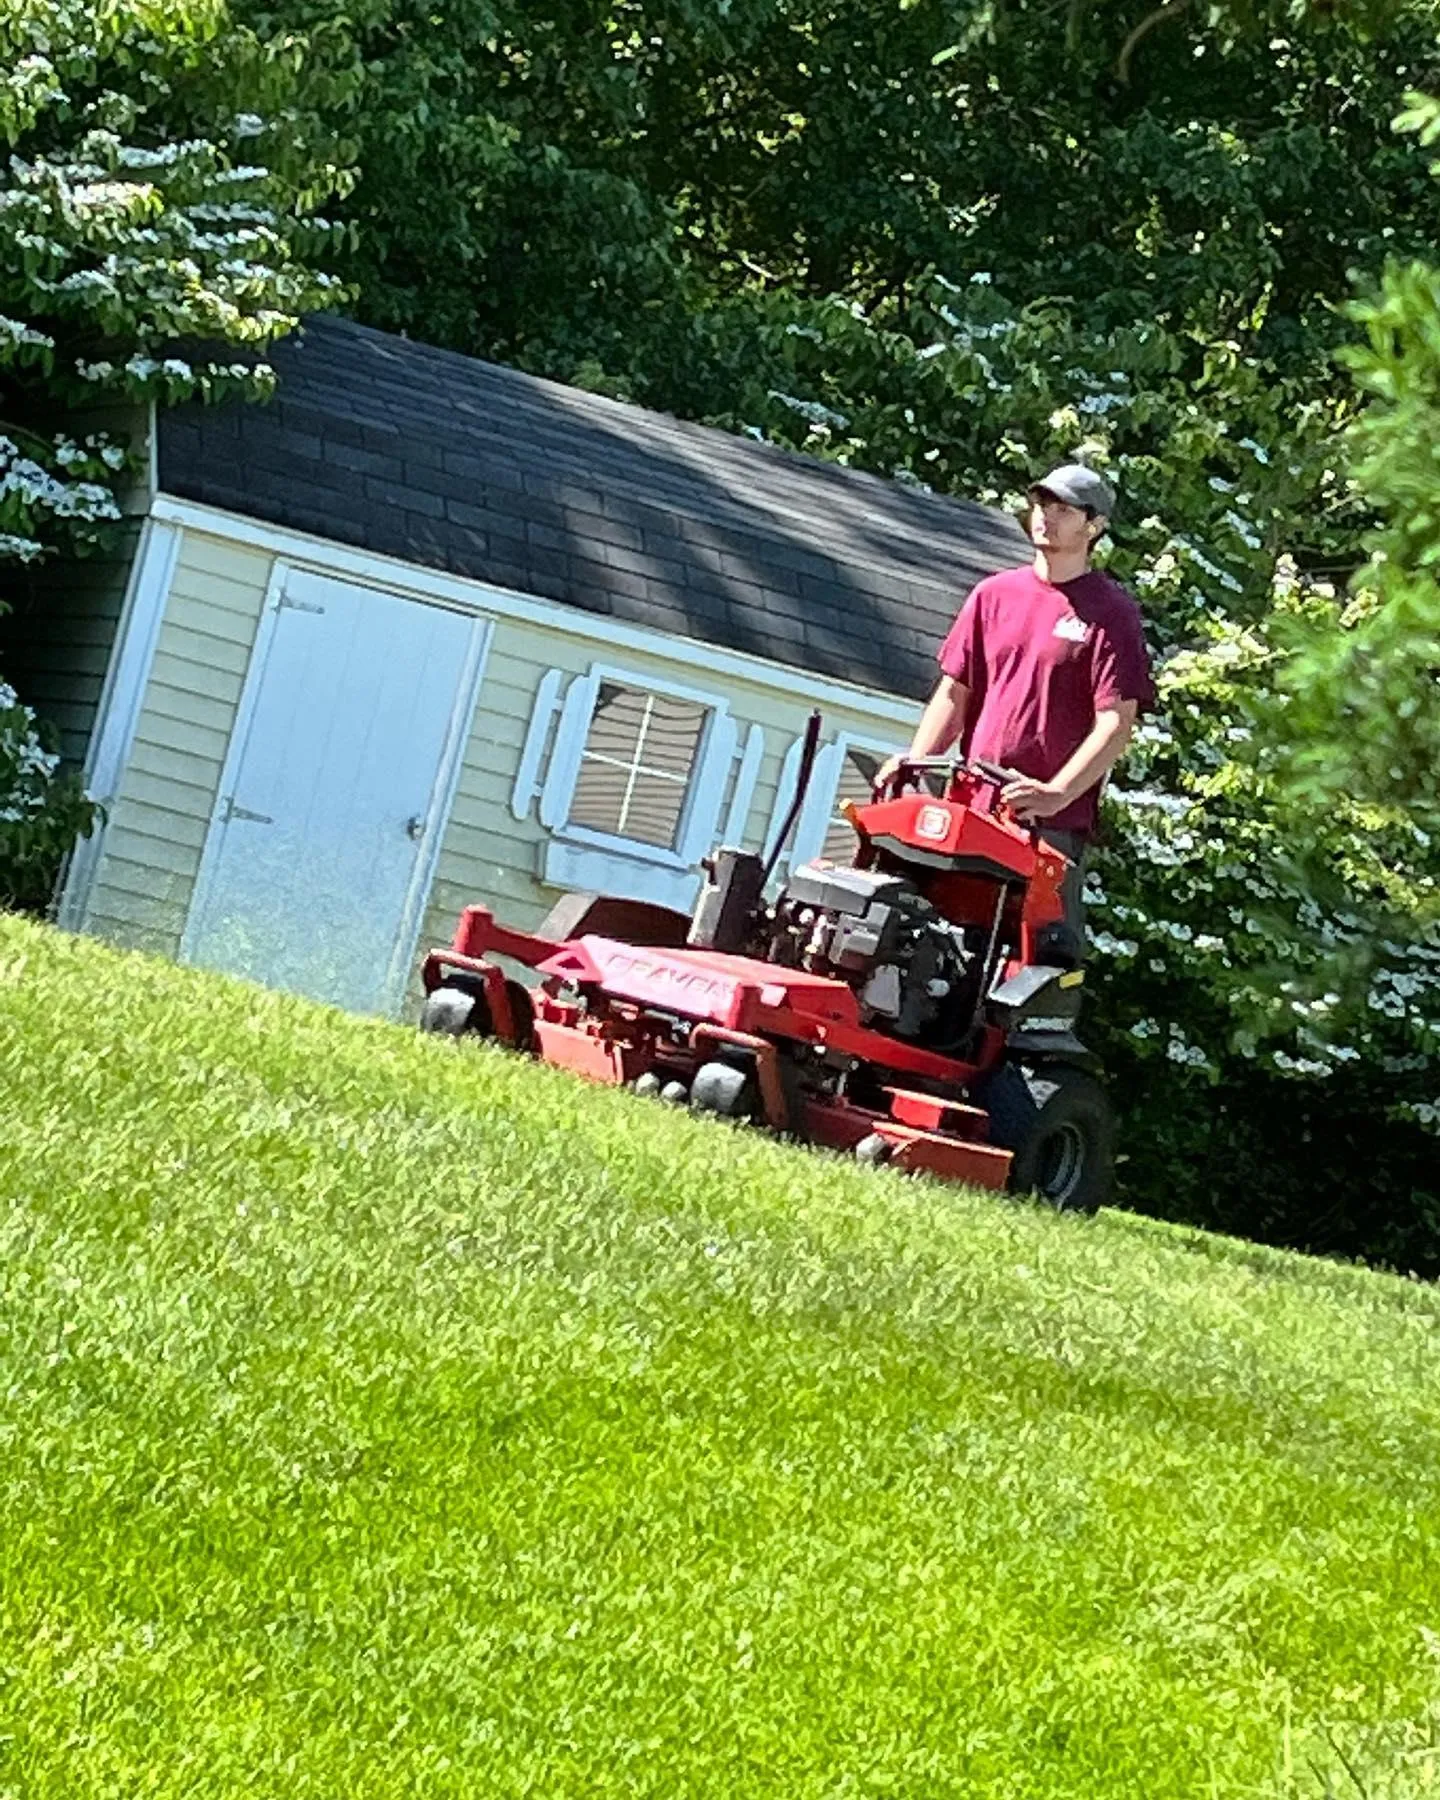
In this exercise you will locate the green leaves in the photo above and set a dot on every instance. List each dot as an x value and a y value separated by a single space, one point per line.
159 176
1357 712
42 807
1421 116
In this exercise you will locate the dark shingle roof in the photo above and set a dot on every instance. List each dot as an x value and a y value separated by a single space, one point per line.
419 453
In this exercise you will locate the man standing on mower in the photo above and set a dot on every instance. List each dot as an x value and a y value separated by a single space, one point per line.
1044 671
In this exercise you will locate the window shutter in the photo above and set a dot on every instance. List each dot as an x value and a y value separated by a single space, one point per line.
747 775
814 819
569 744
527 776
815 813
709 789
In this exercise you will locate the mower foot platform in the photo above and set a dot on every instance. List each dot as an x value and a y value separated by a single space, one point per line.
919 1133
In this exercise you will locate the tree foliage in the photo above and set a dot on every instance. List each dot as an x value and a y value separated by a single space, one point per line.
156 214
1363 701
42 808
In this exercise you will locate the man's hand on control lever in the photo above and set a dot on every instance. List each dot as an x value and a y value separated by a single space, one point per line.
1032 800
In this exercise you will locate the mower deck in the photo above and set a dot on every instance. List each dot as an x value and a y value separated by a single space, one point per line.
622 1013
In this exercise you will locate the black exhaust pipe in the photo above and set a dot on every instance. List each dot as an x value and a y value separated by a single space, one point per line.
802 787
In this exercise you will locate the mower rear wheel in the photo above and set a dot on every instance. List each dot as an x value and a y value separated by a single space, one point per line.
724 1088
1058 1123
455 1011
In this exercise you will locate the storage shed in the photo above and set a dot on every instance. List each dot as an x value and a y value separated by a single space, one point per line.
423 631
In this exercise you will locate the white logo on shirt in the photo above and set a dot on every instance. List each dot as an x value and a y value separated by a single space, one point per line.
1071 627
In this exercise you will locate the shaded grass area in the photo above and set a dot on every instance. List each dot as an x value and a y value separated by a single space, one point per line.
392 1416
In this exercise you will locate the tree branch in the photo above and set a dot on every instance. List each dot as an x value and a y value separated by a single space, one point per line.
1171 9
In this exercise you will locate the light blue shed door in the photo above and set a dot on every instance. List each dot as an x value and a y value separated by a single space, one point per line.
338 783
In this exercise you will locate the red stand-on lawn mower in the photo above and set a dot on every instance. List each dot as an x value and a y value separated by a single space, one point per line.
909 1008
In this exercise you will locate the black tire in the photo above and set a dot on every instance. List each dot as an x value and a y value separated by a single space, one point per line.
522 1011
456 1010
1057 1121
726 1089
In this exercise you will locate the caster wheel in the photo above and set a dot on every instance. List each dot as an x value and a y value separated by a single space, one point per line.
451 1011
874 1150
725 1089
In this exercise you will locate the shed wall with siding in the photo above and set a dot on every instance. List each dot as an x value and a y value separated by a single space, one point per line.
141 891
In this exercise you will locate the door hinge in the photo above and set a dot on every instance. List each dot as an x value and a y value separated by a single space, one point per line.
287 600
229 810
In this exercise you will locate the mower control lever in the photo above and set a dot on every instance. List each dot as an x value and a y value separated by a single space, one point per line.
993 771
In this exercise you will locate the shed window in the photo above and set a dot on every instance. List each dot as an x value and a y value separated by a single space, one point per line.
640 752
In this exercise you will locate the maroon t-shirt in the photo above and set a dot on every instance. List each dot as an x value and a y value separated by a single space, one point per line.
1040 661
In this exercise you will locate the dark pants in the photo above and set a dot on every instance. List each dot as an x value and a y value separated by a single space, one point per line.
1072 890
1064 1003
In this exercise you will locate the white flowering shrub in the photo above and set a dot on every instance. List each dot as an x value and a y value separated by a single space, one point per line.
52 487
158 220
1299 820
42 809
1267 972
159 184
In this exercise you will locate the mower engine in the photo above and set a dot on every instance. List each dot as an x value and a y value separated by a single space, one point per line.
914 972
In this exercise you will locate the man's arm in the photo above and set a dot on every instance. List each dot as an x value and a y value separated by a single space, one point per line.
940 725
1091 763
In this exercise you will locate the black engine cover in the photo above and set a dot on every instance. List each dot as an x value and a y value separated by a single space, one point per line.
910 969
833 888
729 903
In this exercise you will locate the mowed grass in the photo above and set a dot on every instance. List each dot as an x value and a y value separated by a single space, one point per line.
384 1416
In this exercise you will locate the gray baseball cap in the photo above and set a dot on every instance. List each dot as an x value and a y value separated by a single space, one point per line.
1078 486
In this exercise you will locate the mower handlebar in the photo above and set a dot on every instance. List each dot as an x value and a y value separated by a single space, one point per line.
996 774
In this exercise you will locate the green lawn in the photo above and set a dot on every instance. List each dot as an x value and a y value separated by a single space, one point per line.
385 1416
